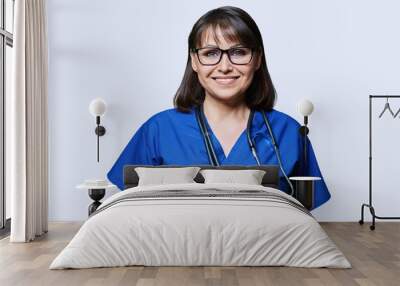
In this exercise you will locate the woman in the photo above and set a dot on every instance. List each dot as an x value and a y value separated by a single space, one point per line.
226 78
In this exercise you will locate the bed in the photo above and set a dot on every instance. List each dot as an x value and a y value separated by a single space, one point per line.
201 224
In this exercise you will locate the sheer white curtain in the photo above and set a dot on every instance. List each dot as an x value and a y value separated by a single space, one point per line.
26 119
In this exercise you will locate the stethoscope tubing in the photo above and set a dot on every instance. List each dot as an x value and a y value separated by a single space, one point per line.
277 152
207 140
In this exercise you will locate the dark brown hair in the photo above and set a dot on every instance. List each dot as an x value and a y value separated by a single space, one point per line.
235 24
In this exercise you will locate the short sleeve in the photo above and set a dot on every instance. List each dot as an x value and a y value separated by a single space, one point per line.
140 150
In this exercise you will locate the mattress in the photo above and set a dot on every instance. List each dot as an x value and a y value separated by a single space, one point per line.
201 225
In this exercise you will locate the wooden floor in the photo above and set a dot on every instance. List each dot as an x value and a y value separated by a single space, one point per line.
374 255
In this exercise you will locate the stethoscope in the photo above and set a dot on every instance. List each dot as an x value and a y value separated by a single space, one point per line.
200 117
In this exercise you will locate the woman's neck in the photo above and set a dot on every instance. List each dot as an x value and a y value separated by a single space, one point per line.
217 111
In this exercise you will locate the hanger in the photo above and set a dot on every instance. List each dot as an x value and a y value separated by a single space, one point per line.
387 107
395 115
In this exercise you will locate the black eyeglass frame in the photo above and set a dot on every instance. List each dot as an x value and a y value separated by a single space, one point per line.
196 50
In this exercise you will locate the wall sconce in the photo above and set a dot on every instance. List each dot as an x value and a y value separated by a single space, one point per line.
304 188
97 108
305 108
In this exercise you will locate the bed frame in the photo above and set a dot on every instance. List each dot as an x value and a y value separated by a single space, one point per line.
270 179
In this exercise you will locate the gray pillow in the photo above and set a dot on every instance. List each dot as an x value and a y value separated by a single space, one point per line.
163 176
249 177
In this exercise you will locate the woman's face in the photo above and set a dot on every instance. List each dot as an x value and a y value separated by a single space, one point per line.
224 81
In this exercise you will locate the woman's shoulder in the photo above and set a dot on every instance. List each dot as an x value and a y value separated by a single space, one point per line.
167 116
170 113
284 118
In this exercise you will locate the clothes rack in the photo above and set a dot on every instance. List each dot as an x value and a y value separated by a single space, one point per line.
370 205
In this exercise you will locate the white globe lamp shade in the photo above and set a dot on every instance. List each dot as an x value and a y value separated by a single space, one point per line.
97 107
305 107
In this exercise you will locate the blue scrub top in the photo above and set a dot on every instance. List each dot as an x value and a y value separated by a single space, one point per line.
171 137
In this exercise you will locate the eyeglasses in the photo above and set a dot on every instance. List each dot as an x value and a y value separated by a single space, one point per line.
210 56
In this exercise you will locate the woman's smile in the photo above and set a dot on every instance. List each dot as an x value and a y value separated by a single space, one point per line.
225 80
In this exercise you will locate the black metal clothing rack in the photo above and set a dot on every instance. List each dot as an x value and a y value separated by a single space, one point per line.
369 205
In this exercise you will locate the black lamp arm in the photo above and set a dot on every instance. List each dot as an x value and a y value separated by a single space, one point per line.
100 131
304 132
305 120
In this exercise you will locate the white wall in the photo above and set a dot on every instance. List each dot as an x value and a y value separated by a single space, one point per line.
133 55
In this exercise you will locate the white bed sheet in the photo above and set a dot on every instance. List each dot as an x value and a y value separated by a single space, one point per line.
200 231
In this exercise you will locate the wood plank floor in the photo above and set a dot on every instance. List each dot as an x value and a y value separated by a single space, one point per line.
374 255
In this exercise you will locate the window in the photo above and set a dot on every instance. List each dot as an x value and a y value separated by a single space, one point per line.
6 44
